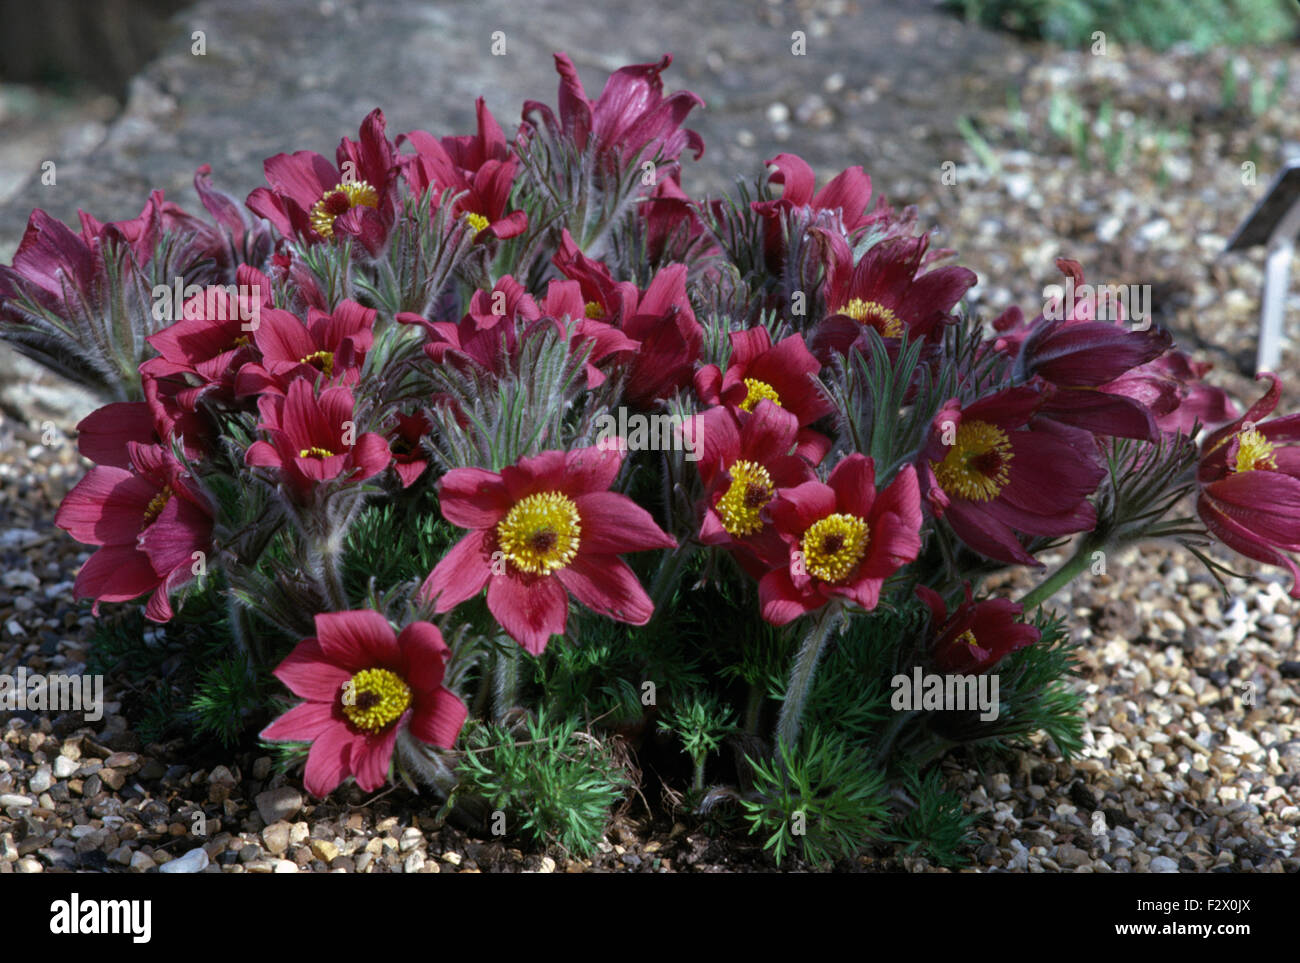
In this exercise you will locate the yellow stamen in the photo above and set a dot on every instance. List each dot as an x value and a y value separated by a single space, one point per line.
594 311
241 342
156 505
339 200
315 453
476 221
833 547
976 465
324 358
1254 452
967 638
756 392
873 314
751 488
374 699
540 533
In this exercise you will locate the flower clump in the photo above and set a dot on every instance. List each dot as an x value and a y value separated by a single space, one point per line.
443 419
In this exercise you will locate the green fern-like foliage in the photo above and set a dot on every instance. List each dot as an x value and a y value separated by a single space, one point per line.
823 801
935 824
555 785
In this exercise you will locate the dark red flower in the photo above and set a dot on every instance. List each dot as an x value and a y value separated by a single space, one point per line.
1249 477
846 196
1082 358
991 471
843 539
783 374
363 685
480 165
543 528
976 635
630 120
314 199
1172 388
884 291
406 444
329 346
313 438
214 337
743 459
153 524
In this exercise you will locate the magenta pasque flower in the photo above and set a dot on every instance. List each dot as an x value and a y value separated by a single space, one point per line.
153 525
1249 477
363 685
843 539
545 527
631 118
744 459
991 470
975 635
885 290
313 438
782 373
314 199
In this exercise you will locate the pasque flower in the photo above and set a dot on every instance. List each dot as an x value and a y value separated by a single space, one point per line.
314 199
782 373
660 318
150 520
213 339
847 195
843 539
991 470
479 165
1249 477
744 459
363 685
313 438
332 346
544 527
1084 360
631 118
884 291
975 635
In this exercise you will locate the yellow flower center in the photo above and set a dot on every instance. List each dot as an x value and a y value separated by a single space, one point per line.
315 453
339 200
540 533
155 506
967 638
374 699
833 547
751 488
873 314
476 221
240 342
322 359
1254 452
756 392
976 465
594 311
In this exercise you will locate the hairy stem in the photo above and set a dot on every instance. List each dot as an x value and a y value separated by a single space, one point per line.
1082 558
790 721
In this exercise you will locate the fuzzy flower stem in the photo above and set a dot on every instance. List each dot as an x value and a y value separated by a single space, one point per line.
1082 558
801 676
505 683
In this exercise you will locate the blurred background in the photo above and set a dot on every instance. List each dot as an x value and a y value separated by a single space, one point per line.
1131 137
